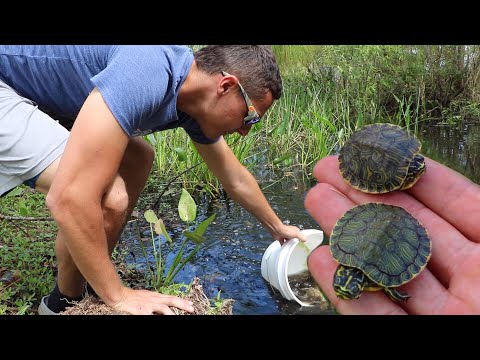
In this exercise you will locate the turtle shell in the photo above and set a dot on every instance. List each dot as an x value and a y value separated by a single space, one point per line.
384 241
377 158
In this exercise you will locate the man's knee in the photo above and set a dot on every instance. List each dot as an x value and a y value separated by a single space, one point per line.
139 155
115 203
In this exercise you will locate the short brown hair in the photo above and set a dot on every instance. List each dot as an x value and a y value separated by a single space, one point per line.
254 66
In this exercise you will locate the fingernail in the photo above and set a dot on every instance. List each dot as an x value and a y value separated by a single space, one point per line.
190 303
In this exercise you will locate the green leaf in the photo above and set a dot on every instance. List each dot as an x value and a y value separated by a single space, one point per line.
151 138
278 160
187 209
160 229
200 230
182 156
22 208
283 126
15 192
169 192
197 239
150 216
326 122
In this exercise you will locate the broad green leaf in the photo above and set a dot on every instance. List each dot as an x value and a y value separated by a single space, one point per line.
150 216
22 208
197 239
15 192
182 156
160 229
200 230
187 209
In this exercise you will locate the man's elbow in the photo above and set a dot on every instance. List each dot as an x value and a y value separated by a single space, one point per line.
240 179
60 204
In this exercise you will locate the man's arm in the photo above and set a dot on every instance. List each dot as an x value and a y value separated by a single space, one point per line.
243 188
87 168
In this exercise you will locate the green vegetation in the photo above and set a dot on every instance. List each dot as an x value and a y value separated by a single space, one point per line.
27 251
328 92
161 275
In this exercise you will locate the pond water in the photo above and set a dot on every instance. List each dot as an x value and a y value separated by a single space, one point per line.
231 258
457 146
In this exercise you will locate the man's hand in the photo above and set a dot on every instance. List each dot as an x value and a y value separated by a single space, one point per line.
144 302
448 206
287 232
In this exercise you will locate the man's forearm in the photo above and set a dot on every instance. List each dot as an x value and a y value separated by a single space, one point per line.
246 192
82 229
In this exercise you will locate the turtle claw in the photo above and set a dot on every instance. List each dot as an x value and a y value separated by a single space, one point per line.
397 295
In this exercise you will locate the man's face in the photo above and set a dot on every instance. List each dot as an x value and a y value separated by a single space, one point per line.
234 110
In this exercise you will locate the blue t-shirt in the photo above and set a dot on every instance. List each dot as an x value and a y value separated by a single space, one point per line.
140 84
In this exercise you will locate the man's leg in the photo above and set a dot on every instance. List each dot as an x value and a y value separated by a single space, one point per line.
117 204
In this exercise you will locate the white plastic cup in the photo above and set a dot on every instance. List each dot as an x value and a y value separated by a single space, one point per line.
281 261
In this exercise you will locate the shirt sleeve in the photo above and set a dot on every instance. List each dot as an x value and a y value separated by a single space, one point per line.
134 84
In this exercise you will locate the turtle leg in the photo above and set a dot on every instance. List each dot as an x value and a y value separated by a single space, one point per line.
396 295
415 171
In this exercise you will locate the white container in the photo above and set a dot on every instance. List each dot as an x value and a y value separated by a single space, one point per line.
281 261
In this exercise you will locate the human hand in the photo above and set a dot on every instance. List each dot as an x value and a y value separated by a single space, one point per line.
446 204
287 232
144 302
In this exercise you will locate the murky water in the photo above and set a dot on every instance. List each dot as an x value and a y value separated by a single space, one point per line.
307 290
231 258
457 146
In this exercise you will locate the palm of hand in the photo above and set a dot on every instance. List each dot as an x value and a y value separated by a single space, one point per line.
447 204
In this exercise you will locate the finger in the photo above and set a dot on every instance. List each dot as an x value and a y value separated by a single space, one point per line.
163 310
449 246
427 295
322 267
291 232
459 200
174 301
301 237
326 205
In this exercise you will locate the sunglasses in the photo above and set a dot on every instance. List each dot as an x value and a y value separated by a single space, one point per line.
252 116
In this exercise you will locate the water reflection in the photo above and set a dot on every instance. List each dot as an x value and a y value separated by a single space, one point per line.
456 145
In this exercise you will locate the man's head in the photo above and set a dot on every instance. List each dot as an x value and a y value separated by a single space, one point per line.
248 81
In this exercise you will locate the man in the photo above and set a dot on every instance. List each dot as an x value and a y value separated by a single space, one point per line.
94 174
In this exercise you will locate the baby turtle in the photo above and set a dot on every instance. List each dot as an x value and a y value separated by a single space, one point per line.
379 247
380 158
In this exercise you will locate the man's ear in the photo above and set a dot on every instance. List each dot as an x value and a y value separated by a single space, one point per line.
227 84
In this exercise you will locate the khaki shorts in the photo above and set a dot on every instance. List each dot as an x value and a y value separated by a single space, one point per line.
30 140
